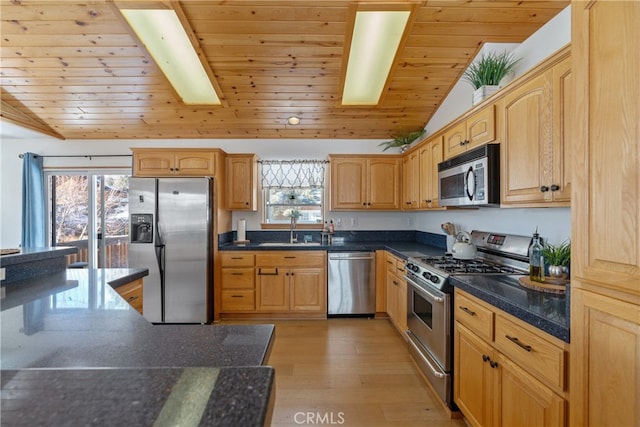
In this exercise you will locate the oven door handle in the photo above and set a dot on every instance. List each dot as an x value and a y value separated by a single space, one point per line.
427 362
424 292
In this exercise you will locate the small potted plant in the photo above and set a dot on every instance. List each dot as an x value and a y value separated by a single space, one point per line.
402 141
485 74
558 258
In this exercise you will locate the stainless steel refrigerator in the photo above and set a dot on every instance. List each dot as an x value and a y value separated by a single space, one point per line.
171 234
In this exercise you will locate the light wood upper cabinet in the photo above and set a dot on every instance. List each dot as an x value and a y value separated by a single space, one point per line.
477 129
430 155
411 181
160 162
535 151
420 175
605 211
365 182
241 175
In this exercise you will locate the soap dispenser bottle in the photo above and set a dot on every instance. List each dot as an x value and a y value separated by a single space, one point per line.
536 259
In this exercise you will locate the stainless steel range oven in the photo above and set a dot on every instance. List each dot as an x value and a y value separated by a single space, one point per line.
430 300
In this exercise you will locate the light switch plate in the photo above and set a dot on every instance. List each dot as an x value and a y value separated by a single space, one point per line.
2 274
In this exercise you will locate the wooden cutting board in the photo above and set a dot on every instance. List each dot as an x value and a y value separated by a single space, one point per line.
9 251
554 286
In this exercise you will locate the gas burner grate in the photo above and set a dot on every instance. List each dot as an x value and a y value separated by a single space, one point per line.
452 265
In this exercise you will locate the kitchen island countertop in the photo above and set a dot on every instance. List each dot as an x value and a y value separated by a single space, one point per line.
73 324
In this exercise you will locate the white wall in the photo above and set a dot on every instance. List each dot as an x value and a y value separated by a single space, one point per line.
554 224
554 35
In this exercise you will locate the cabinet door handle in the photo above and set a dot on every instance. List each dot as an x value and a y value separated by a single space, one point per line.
555 187
544 188
133 298
466 310
493 364
274 273
290 257
516 341
485 358
236 257
237 274
236 296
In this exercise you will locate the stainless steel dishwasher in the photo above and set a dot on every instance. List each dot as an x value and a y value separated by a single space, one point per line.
351 287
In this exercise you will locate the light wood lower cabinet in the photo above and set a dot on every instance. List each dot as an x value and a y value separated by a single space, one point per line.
507 372
291 281
274 283
396 293
132 293
238 282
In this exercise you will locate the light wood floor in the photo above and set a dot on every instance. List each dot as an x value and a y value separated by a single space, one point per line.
350 372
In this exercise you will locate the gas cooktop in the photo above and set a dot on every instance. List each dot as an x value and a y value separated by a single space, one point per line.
451 265
498 254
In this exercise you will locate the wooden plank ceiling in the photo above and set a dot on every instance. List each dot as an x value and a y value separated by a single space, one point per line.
73 68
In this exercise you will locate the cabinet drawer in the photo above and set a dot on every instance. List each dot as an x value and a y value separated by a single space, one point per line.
474 315
237 259
291 259
238 300
132 293
395 265
530 350
237 278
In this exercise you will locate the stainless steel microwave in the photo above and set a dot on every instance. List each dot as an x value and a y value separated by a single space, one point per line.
471 179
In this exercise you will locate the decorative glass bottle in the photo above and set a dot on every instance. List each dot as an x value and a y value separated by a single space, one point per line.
536 260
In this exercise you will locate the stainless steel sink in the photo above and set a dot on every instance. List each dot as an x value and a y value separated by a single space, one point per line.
288 244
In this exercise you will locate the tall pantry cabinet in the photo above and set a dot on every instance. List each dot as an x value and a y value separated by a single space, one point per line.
605 269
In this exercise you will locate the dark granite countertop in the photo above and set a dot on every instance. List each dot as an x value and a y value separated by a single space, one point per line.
36 254
74 320
137 397
546 311
402 249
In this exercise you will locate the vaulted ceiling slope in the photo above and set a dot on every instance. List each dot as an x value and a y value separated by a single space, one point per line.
73 69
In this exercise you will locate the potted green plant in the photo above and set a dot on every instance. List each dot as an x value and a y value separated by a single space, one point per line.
485 74
402 141
558 258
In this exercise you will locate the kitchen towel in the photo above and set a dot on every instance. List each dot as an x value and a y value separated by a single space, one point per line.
242 230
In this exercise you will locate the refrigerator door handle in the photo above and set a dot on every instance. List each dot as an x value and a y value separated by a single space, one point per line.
160 257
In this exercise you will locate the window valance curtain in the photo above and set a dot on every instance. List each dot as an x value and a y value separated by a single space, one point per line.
293 173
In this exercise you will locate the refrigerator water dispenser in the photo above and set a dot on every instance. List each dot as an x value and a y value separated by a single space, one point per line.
141 228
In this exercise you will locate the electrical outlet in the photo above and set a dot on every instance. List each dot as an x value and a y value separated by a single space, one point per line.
354 222
3 274
409 221
338 222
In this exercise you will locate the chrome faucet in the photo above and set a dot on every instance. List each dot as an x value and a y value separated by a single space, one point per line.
293 238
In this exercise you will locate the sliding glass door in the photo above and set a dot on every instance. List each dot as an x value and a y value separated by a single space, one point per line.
90 210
